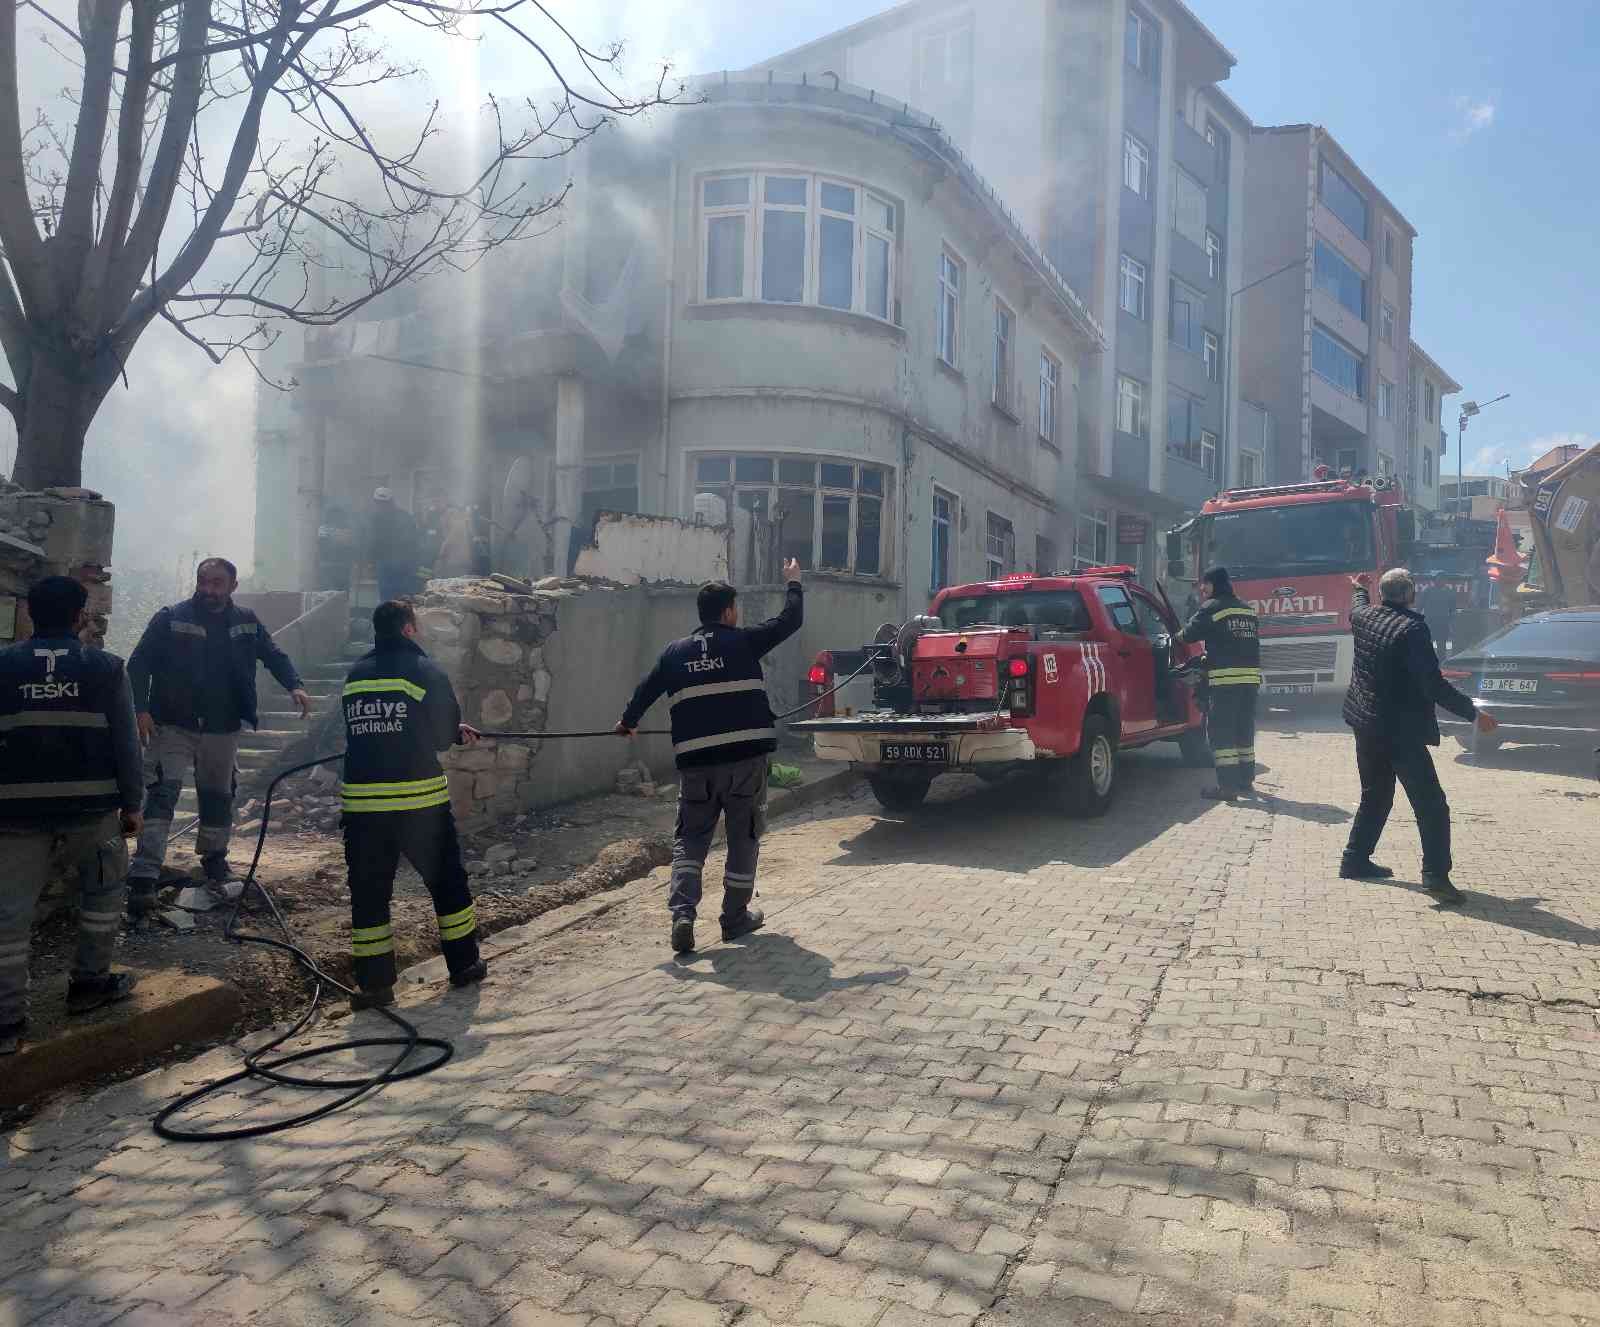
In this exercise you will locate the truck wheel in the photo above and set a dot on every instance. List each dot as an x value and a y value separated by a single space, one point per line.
1194 749
899 794
1091 775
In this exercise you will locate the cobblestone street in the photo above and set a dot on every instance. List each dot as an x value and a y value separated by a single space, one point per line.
985 1065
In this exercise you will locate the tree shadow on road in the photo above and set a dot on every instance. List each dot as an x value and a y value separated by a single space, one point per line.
774 965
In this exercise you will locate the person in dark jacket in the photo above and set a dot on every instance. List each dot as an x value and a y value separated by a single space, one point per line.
194 687
69 777
1394 686
1230 631
400 711
723 732
393 545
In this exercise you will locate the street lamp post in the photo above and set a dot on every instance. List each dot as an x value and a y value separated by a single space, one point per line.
1468 410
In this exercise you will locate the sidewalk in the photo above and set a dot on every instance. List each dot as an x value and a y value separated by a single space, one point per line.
985 1064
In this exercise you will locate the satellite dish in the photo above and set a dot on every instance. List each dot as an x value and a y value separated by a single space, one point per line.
886 663
519 497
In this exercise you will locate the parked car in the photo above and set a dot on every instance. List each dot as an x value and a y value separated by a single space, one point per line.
1058 673
1540 677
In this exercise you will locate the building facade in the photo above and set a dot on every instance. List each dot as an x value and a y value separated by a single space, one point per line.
1325 307
1427 438
795 310
1103 126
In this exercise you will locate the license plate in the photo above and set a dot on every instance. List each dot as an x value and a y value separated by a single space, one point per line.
918 753
1297 689
1521 685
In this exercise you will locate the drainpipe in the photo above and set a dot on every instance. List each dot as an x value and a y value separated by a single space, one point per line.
667 315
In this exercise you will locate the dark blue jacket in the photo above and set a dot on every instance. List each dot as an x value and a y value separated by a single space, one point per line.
720 710
170 667
1395 681
400 711
68 744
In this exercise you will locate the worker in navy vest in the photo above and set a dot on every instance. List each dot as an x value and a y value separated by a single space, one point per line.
69 777
722 735
400 711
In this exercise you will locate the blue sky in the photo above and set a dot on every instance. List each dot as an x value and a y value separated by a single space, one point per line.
1475 117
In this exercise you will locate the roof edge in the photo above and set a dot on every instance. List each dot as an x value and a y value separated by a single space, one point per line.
1450 385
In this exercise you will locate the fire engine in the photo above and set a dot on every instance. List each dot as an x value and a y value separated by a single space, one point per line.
1055 672
1291 552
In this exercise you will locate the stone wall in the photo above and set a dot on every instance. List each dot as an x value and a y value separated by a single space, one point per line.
59 532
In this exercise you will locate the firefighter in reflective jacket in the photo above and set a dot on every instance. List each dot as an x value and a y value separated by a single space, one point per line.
1231 634
399 713
722 734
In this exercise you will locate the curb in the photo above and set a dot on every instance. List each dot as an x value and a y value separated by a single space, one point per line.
187 1009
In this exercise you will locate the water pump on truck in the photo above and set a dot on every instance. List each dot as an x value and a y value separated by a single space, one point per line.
1053 672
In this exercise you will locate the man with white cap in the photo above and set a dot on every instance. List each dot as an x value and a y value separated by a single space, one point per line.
392 547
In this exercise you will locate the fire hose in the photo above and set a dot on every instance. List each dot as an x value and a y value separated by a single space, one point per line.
408 1042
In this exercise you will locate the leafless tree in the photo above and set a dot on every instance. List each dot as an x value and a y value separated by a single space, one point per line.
127 217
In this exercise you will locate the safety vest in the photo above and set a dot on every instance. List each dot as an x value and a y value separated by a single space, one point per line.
399 712
1232 635
56 753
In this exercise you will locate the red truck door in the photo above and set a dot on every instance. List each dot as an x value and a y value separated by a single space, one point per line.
1134 680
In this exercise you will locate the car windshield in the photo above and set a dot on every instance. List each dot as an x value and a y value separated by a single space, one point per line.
1053 610
1304 539
1548 638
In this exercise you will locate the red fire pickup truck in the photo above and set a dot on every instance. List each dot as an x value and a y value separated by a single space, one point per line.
1001 675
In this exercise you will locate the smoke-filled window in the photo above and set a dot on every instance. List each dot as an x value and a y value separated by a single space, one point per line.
827 514
798 239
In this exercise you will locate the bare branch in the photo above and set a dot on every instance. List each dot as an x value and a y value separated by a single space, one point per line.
75 232
18 233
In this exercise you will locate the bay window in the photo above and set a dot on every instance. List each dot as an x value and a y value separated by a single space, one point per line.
1333 360
815 241
827 514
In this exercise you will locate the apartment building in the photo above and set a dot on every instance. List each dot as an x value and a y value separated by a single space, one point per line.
1325 307
1428 439
1102 125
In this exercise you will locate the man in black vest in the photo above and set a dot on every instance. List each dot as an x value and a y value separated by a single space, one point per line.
194 687
1231 634
400 711
69 762
1394 685
722 734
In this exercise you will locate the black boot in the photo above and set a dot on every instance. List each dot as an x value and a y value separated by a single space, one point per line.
87 993
1362 868
742 924
144 898
379 997
470 975
11 1035
1218 794
1439 885
683 935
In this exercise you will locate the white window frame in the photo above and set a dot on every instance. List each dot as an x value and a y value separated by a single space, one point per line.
816 487
1391 247
1213 254
1195 301
1208 453
1253 459
1141 407
1133 276
1139 26
1049 395
947 333
1096 522
1003 564
1003 392
1385 398
1386 321
1211 354
1135 161
866 197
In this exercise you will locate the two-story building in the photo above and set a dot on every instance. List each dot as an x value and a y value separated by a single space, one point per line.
794 307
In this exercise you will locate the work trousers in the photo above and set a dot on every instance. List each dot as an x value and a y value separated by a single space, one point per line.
169 759
738 791
374 843
93 846
1381 762
1231 731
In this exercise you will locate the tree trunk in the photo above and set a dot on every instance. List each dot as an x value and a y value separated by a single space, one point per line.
56 410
